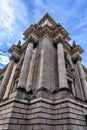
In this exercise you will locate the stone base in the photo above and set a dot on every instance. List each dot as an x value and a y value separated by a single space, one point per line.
42 114
63 93
21 94
44 93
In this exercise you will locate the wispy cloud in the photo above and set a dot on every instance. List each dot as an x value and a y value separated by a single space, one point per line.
13 21
3 58
81 23
17 15
13 18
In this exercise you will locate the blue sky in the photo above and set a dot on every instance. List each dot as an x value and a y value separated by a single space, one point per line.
17 15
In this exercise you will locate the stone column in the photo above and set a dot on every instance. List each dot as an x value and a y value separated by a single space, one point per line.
44 68
61 67
82 76
31 72
10 82
41 74
26 65
6 77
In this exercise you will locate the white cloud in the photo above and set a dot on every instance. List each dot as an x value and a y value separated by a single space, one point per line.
16 16
4 59
81 23
13 18
1 53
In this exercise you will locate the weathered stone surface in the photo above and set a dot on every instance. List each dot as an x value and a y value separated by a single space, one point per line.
50 91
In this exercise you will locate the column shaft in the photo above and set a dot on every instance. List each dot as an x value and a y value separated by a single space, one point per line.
31 71
25 67
9 83
61 67
82 77
6 78
41 75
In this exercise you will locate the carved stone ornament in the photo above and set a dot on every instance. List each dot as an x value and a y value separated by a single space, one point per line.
12 57
58 40
33 41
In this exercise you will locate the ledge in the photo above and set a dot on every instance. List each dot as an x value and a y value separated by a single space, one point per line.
43 100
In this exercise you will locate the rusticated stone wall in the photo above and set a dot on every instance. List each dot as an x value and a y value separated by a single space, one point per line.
42 114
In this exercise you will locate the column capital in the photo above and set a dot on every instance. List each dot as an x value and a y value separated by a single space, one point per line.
14 58
33 40
58 41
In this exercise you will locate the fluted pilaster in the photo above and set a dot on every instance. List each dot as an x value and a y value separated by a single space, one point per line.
61 67
31 72
62 77
82 76
6 76
26 65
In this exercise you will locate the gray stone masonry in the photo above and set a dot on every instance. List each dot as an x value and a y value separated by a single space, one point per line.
25 67
42 114
45 87
6 78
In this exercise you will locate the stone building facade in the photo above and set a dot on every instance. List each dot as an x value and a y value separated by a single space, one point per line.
44 86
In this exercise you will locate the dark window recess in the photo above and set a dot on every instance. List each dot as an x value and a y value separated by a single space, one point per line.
86 119
70 85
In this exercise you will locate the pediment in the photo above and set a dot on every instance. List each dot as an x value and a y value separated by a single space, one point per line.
46 20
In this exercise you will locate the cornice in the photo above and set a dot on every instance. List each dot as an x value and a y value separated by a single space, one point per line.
15 48
46 30
76 51
31 30
30 39
47 16
60 30
42 28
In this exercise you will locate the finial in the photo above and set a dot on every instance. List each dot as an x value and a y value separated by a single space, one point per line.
74 44
19 43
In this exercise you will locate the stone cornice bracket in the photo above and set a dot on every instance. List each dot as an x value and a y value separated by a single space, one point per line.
15 50
76 59
76 49
46 30
12 57
33 29
34 41
58 40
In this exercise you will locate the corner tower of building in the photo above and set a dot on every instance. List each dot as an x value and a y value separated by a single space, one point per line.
44 86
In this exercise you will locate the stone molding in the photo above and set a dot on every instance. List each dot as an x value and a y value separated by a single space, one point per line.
15 58
59 101
33 41
63 41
